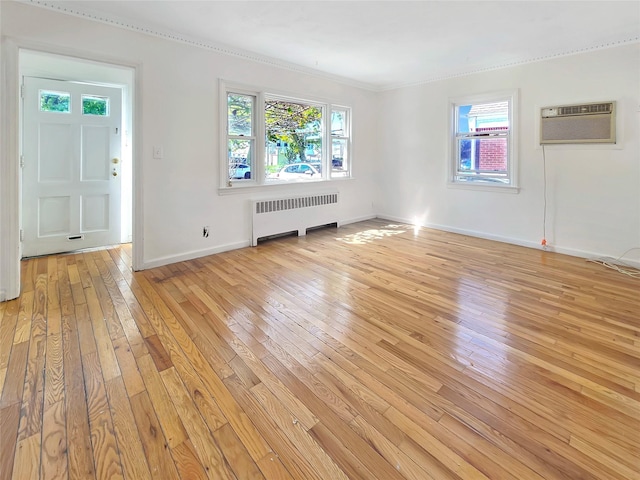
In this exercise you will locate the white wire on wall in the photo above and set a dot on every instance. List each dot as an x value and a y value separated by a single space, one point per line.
544 211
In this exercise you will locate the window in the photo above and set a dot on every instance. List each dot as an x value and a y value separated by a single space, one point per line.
241 139
483 141
272 139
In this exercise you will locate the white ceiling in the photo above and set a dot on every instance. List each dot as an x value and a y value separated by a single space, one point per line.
379 44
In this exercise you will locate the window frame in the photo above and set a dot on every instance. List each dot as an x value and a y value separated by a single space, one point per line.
258 179
487 181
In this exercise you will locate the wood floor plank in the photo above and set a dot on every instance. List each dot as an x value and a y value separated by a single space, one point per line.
320 460
402 462
54 373
10 420
236 454
7 331
103 437
294 460
54 464
376 351
204 444
33 392
80 454
27 461
155 445
104 343
187 462
130 441
163 406
272 468
14 382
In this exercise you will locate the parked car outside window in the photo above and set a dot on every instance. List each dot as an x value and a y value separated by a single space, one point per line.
239 170
300 171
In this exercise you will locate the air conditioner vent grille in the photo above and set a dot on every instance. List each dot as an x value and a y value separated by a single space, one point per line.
586 109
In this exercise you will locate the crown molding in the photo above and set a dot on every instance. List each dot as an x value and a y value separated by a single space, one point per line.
541 58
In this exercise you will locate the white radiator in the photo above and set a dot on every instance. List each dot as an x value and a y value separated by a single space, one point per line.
290 214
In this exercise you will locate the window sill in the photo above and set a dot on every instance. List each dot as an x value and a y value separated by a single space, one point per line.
483 187
241 187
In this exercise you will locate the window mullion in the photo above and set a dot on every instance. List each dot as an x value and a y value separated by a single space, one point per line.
327 142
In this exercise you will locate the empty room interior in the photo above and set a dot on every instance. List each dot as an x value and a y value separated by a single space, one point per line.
320 240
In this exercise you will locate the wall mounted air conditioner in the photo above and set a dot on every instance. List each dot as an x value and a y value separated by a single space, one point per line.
584 123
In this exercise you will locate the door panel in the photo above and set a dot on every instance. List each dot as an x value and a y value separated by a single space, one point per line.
95 213
95 153
55 151
71 174
54 216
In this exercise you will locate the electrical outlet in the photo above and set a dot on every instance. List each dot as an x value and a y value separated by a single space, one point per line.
205 232
158 152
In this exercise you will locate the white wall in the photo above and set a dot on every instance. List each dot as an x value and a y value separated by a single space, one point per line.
593 191
177 108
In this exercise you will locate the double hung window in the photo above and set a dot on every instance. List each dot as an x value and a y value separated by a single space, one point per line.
483 141
241 136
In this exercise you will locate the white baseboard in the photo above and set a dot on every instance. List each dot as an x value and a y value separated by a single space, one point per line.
513 241
158 262
357 219
161 261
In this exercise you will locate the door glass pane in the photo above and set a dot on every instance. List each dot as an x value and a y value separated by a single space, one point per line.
55 101
240 114
92 105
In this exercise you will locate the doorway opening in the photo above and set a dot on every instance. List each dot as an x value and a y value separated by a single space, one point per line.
76 150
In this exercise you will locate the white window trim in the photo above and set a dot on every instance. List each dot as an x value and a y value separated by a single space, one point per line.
513 164
257 182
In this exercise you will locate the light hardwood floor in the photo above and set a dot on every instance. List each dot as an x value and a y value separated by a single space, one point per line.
369 352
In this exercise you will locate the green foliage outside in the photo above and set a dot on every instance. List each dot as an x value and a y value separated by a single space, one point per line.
61 102
295 124
94 106
54 102
239 114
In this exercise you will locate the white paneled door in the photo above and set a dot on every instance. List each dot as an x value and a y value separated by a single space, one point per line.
71 166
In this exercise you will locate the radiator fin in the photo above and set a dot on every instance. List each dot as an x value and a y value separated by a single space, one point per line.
268 206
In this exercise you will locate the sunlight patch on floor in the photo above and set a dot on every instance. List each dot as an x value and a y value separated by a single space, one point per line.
369 236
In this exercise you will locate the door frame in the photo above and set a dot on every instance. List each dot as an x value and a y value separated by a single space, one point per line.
10 139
